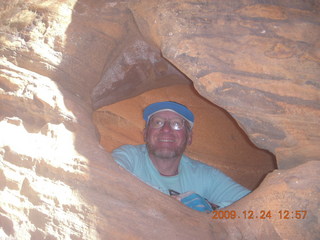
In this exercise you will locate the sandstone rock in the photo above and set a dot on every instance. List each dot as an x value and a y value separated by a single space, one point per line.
242 57
291 197
57 182
139 67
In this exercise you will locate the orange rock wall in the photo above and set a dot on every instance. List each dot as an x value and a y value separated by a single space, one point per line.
61 60
259 61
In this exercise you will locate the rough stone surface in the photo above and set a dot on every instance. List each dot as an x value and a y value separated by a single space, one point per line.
260 62
62 59
291 198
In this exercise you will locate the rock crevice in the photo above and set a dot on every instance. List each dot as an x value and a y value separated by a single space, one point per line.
61 60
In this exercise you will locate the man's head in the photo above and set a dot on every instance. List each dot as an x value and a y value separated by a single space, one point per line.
168 129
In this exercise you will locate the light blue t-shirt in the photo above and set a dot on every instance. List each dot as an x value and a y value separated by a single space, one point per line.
193 176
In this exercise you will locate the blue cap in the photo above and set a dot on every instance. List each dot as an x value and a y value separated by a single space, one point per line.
168 106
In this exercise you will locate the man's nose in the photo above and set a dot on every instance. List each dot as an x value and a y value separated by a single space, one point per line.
166 127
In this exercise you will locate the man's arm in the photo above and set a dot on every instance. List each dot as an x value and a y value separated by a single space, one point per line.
123 157
223 191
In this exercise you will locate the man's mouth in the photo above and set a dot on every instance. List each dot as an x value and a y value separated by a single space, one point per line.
166 140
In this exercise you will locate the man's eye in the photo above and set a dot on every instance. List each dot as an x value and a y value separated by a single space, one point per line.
177 123
158 122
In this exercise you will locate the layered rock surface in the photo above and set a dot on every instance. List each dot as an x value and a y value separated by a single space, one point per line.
260 62
61 60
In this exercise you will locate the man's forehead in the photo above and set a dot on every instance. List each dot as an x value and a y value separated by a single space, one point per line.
175 107
167 114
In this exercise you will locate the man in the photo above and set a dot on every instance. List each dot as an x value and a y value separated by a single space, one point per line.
161 162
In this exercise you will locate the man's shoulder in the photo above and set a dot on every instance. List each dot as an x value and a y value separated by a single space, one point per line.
131 148
196 165
130 156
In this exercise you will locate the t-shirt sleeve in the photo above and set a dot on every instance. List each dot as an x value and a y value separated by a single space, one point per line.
221 189
124 157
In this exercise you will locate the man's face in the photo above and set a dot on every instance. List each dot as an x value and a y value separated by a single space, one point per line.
165 142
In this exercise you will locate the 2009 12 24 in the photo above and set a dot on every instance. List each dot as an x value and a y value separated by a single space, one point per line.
262 214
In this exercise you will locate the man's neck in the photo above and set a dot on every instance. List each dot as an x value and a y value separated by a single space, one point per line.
166 166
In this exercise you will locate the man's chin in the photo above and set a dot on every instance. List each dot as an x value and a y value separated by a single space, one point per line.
165 154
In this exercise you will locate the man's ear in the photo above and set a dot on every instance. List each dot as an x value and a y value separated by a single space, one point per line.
145 134
189 138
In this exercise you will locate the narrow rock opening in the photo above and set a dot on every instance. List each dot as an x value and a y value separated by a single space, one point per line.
217 141
55 180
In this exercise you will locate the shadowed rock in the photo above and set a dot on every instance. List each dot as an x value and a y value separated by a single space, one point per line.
61 60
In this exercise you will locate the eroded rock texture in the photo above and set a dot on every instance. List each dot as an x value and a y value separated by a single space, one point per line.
260 62
62 59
